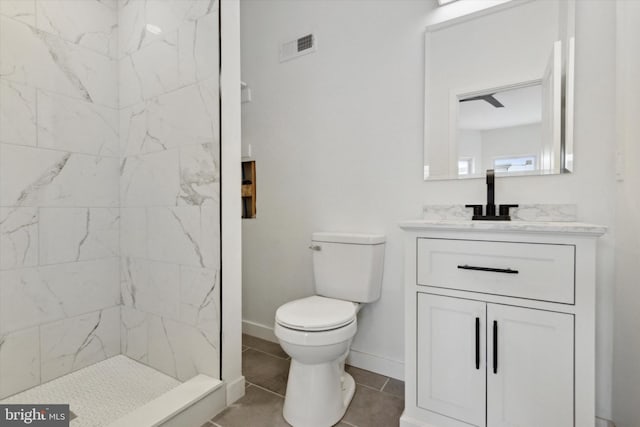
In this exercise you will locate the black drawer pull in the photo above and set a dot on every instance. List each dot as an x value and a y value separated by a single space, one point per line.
495 346
493 270
477 343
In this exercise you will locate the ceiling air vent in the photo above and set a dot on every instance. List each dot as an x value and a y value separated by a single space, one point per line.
297 47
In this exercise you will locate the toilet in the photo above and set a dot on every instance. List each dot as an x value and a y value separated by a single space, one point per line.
317 331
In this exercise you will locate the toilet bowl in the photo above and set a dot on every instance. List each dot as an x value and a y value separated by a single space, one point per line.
317 333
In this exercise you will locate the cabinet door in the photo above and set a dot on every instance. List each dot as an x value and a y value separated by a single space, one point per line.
529 368
451 357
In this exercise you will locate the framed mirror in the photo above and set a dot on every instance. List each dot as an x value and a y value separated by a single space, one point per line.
499 90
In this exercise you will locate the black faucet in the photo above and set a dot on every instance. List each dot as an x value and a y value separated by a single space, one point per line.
490 211
491 183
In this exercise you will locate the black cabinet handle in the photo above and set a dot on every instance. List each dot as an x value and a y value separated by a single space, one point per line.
495 346
491 269
477 343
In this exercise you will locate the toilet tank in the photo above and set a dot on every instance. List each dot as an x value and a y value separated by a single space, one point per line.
348 266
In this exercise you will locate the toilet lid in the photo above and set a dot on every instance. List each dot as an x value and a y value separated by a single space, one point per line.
316 313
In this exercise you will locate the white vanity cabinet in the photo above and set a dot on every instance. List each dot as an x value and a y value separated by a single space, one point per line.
499 324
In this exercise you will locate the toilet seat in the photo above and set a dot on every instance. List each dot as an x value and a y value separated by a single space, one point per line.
315 338
316 314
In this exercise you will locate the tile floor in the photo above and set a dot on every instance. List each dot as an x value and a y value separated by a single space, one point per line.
378 401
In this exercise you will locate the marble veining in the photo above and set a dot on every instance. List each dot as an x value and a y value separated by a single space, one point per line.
176 60
144 21
78 234
18 237
210 229
151 286
17 113
180 350
20 10
191 237
68 124
525 212
74 343
45 61
175 235
500 226
19 361
90 24
37 295
162 123
198 295
36 177
150 180
57 53
134 334
44 179
547 213
133 232
446 212
198 174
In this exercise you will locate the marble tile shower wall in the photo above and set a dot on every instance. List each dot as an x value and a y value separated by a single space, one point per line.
59 199
169 185
108 186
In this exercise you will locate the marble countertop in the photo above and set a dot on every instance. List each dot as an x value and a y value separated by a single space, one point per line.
558 227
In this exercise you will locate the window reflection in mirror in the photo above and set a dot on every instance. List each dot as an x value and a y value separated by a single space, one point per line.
501 130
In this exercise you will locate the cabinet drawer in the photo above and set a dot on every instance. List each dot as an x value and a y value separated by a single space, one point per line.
523 270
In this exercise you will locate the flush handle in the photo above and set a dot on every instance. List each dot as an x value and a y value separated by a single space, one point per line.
315 247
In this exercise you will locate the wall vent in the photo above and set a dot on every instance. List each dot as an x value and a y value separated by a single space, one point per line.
297 47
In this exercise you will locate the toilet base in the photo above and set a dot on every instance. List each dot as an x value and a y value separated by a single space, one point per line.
348 390
317 395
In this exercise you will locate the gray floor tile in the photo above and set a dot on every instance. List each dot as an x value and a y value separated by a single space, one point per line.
395 387
258 408
368 378
267 371
370 408
264 366
263 345
207 424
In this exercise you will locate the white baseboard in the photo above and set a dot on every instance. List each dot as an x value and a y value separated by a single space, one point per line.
370 362
258 330
235 390
601 422
377 364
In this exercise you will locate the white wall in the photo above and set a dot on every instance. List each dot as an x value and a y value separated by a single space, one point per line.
626 367
337 136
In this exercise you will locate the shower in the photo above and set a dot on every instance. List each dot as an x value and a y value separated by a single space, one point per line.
110 258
